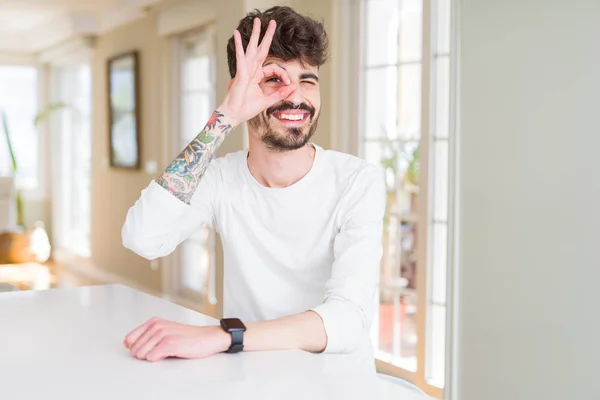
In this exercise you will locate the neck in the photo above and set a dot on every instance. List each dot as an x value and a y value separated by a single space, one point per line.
279 169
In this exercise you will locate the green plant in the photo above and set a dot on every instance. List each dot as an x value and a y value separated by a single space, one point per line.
13 160
40 117
395 152
45 113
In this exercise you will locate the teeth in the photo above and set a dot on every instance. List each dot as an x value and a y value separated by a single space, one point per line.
292 117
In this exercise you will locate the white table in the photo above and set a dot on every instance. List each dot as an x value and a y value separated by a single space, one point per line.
67 344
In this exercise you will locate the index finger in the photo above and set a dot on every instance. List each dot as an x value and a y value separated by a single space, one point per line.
265 44
137 332
274 69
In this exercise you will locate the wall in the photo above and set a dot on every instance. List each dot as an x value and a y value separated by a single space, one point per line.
529 191
115 190
322 10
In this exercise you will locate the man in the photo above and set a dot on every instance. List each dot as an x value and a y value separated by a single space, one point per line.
301 226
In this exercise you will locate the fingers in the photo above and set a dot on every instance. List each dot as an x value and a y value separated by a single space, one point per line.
147 341
151 345
160 351
265 44
280 94
252 45
275 70
239 52
134 335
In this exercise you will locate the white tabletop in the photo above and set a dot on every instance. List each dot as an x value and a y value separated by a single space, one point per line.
67 344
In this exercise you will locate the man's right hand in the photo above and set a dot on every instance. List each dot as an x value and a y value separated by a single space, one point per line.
245 98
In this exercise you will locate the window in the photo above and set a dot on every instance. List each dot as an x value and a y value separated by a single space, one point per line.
405 131
73 159
439 156
19 100
195 262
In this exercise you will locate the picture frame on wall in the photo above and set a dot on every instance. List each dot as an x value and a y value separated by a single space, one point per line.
123 110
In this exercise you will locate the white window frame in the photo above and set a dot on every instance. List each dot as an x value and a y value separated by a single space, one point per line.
419 377
61 234
207 302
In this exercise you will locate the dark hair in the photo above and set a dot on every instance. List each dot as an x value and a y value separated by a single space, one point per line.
296 38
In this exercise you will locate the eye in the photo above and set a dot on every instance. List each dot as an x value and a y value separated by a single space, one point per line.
274 79
309 82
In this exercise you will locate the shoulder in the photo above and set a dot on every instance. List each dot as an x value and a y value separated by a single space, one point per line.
352 170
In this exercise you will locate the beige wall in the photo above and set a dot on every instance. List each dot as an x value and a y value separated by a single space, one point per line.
322 10
115 190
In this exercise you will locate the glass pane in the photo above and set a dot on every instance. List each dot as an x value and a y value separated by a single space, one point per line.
195 261
196 108
439 262
373 152
409 102
18 99
198 61
443 26
381 28
411 35
442 97
381 109
72 126
197 73
440 178
399 161
408 252
406 176
77 81
437 346
397 338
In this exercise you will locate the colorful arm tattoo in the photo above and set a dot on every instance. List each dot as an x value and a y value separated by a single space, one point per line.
183 175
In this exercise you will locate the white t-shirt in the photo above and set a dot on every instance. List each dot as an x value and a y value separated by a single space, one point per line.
315 245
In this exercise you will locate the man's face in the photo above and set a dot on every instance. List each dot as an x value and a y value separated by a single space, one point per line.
289 124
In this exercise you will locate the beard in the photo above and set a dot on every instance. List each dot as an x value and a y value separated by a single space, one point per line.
279 138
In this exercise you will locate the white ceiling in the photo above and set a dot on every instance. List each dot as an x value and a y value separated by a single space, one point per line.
28 26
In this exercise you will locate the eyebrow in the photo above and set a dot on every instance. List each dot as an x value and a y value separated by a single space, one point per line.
305 75
309 75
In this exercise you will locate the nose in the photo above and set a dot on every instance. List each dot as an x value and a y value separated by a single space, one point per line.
296 97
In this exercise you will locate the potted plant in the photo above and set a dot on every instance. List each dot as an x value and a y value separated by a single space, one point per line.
21 244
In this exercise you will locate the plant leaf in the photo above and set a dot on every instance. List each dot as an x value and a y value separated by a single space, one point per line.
47 111
8 142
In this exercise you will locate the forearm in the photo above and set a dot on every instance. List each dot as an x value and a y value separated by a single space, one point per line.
182 176
303 331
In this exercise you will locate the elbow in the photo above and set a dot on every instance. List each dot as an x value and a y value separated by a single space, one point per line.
347 325
137 244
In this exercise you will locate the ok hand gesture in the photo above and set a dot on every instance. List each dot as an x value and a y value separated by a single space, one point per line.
245 98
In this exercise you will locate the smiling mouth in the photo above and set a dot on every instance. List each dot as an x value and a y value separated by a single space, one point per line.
291 116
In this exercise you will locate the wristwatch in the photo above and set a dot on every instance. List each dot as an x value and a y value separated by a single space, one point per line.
236 329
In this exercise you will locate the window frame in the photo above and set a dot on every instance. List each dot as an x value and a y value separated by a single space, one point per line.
60 227
172 281
425 206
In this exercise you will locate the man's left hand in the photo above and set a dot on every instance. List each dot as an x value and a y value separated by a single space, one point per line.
158 339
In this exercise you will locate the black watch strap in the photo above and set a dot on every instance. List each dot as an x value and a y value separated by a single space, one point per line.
237 342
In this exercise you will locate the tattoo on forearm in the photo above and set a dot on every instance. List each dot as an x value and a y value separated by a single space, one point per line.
183 175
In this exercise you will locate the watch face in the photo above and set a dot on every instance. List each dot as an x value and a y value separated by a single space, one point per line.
233 324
